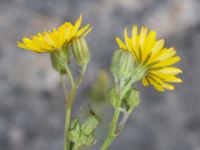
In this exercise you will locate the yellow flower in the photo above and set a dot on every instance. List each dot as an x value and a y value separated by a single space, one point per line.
150 54
56 39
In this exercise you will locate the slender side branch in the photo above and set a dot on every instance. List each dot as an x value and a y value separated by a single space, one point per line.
67 124
76 85
122 122
70 101
64 88
70 77
68 112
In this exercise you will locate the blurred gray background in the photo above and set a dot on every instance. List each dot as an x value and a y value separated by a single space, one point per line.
31 102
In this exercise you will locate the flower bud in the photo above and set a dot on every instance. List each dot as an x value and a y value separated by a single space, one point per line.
60 60
74 136
75 130
132 99
122 64
89 125
75 124
112 97
87 140
80 51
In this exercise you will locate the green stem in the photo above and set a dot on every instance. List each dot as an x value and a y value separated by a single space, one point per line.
64 88
70 77
70 101
127 86
82 73
68 113
112 132
75 86
67 124
76 147
123 122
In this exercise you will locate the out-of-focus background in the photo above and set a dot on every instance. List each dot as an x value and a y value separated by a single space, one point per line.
31 102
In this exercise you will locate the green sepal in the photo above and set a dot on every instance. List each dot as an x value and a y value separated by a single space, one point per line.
60 60
112 97
122 64
80 51
132 99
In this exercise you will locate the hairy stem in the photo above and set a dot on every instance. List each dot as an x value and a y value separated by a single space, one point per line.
70 100
122 122
112 132
68 112
67 124
76 147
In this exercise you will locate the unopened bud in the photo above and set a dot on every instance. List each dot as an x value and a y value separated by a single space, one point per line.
122 64
87 140
74 136
75 130
75 124
112 97
132 99
89 125
80 51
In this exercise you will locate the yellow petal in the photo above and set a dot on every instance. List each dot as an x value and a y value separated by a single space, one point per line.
158 46
166 53
167 62
120 43
156 85
142 37
168 86
127 40
151 40
84 31
77 24
166 77
135 42
171 70
134 37
145 82
161 82
155 51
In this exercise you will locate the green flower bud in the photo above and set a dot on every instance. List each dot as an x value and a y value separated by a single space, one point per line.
60 60
132 99
80 51
122 64
75 130
75 124
87 140
74 135
112 97
89 125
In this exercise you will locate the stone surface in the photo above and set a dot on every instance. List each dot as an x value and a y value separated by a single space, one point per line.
31 102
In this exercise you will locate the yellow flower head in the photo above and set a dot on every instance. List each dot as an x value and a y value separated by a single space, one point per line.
151 55
56 39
